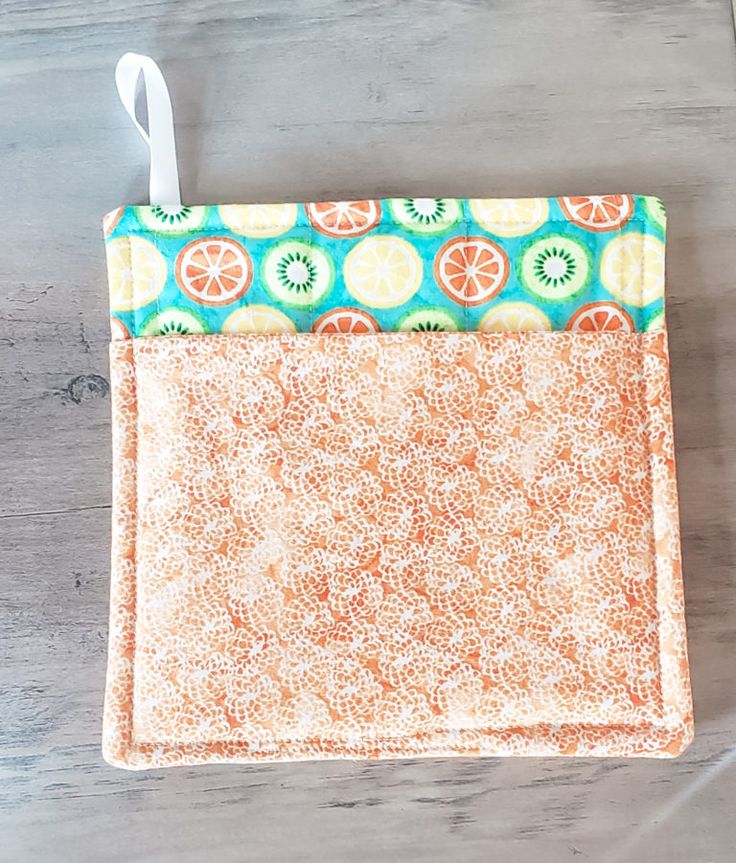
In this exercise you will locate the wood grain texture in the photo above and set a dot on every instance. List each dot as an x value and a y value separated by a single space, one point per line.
279 100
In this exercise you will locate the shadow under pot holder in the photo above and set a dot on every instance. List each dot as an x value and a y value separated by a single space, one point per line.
352 543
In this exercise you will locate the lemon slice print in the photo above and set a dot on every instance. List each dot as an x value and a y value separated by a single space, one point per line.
382 271
258 319
510 217
136 272
632 268
258 220
514 318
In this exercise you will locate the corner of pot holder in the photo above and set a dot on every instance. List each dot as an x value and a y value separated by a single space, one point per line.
391 478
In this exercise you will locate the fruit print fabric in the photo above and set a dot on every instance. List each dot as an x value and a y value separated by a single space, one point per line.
394 545
422 264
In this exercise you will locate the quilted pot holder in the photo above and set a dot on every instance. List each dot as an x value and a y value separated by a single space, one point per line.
391 478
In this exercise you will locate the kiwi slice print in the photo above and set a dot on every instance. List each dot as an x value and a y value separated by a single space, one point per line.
171 220
655 322
655 211
555 268
297 274
428 319
171 322
426 215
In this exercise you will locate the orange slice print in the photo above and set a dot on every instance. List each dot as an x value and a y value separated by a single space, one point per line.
471 270
118 329
600 318
344 218
598 212
214 271
346 320
110 220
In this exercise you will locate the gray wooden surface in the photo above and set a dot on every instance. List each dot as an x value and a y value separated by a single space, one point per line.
305 99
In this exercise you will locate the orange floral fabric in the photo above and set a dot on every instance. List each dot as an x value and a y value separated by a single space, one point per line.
394 545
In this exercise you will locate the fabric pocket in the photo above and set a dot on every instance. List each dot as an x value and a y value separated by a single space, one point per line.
394 545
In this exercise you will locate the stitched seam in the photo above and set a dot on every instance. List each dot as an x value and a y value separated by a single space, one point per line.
659 574
417 737
656 568
136 533
286 742
220 226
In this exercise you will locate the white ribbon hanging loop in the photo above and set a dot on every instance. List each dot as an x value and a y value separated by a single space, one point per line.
164 179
